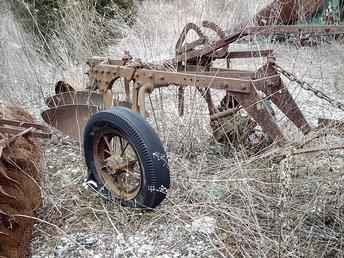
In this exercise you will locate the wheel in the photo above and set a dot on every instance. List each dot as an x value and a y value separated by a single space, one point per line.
125 158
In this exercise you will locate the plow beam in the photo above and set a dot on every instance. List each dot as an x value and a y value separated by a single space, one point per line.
104 75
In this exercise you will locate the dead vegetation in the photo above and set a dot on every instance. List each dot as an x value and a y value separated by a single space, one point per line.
263 206
20 190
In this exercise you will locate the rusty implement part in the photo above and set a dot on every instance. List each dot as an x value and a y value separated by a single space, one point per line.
249 54
75 98
181 46
62 87
218 115
281 97
257 110
240 84
209 49
118 168
194 65
287 12
295 29
118 163
181 101
234 129
70 119
127 90
330 123
222 52
105 74
20 193
285 102
206 94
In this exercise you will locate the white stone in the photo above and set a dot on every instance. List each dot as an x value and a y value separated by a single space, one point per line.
206 225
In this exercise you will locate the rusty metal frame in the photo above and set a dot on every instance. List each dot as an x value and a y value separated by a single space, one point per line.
243 85
193 67
193 63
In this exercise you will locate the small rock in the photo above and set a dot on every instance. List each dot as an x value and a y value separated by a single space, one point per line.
206 225
89 242
163 256
54 139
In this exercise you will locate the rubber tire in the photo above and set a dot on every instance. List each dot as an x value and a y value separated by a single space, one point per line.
156 174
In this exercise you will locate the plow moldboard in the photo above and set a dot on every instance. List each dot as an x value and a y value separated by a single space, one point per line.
70 119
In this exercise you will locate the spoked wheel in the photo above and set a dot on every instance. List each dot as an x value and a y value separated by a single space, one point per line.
117 163
125 158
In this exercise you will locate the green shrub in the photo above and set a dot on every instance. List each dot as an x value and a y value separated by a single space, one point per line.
72 30
44 16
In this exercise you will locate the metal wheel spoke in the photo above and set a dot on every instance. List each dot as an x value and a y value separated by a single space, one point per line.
108 152
121 143
119 165
123 150
108 145
113 142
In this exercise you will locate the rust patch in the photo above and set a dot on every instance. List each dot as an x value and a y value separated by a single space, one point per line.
287 12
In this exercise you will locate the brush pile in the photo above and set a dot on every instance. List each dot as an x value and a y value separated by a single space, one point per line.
20 194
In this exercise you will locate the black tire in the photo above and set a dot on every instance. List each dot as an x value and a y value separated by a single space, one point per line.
155 176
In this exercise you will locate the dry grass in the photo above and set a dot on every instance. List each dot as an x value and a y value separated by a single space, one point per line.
264 207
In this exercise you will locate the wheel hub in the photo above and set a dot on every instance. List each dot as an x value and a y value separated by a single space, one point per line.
118 164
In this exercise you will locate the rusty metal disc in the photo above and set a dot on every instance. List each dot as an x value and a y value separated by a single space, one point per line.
75 98
70 119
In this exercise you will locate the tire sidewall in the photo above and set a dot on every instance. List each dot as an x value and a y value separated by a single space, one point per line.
155 174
